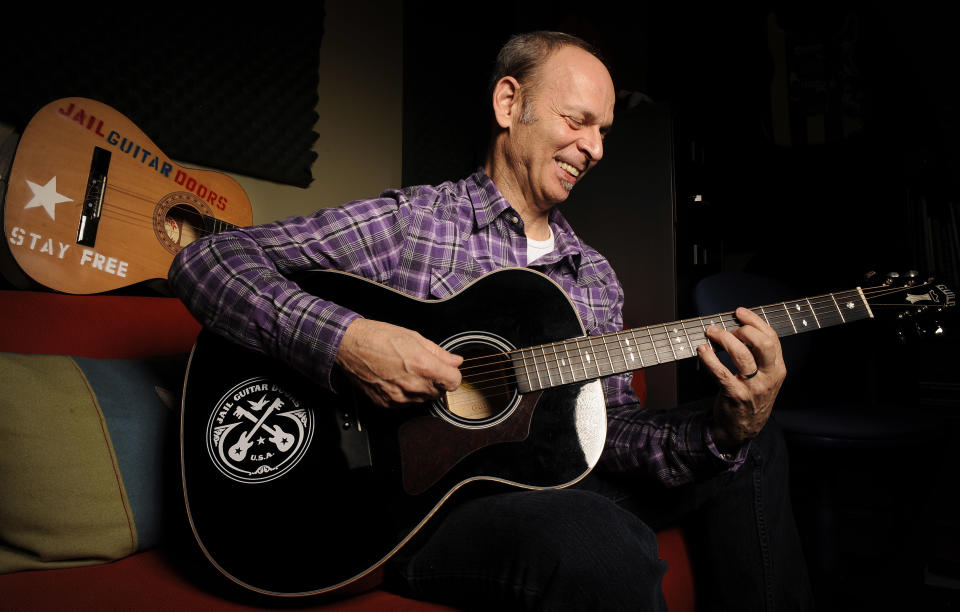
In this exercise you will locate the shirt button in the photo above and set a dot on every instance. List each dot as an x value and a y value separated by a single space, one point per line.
514 219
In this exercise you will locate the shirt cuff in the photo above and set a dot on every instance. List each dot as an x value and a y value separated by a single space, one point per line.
312 334
731 460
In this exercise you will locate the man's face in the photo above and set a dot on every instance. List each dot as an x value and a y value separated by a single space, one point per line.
559 136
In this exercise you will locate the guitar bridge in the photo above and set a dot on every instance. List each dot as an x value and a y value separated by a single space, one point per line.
93 198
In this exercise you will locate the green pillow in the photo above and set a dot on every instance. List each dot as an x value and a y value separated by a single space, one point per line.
81 467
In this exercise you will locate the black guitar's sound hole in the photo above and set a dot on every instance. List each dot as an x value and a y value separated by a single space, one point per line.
488 391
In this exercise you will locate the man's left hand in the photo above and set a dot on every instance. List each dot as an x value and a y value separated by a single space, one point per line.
746 397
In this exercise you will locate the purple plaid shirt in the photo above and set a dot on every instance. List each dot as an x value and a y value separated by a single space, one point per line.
428 242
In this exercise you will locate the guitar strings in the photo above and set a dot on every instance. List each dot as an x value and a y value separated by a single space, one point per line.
647 347
550 371
503 371
113 210
698 324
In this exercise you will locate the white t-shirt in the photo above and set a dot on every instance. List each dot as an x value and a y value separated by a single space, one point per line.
538 248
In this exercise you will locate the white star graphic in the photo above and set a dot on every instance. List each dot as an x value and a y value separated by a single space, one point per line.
46 196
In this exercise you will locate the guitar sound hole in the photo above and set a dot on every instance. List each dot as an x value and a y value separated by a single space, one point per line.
182 225
178 220
488 391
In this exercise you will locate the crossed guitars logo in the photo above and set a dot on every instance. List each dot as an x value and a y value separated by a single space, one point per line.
258 431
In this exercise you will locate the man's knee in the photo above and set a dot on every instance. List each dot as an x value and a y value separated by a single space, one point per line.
593 548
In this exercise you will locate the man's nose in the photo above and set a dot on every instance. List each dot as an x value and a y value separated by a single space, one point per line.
592 145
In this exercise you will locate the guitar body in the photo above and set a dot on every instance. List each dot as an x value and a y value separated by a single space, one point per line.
93 205
293 490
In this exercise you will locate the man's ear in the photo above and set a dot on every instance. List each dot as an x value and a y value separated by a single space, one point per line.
506 101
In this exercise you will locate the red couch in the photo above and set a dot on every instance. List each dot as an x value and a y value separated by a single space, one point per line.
148 578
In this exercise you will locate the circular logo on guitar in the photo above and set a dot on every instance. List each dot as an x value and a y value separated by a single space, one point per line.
258 431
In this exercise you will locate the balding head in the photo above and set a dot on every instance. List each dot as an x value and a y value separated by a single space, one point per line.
524 56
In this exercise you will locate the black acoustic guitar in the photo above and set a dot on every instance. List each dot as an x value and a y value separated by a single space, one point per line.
293 490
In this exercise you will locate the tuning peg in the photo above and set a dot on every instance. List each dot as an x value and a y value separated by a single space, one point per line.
891 278
912 276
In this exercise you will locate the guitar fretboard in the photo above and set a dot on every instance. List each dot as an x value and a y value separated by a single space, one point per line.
582 359
212 225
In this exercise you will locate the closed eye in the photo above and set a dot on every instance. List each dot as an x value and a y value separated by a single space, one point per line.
577 124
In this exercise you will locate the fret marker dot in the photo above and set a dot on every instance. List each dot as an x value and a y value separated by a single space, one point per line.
804 322
850 305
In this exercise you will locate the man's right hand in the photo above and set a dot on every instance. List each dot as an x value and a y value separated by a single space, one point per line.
394 365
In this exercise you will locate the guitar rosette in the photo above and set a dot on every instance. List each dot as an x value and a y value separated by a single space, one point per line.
258 431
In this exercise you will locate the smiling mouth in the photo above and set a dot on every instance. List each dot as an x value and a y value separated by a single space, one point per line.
572 171
569 169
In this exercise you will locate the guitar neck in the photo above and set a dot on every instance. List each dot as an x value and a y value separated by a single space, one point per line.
587 358
212 225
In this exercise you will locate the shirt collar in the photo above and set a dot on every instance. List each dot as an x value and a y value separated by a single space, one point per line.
489 203
566 243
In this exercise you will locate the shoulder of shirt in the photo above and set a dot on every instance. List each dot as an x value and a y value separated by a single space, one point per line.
430 199
446 194
450 202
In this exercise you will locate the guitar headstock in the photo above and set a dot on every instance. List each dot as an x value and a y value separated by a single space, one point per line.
918 305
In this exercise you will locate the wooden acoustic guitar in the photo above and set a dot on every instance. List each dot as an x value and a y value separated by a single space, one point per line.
93 205
294 490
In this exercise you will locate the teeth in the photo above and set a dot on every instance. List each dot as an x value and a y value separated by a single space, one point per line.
568 168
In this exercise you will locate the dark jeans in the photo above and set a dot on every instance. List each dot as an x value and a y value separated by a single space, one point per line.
573 549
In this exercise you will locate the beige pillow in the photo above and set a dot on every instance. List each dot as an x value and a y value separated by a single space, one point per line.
62 496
